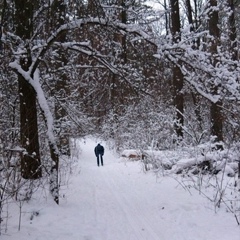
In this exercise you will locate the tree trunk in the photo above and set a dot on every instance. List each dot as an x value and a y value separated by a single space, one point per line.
233 31
54 185
177 73
178 101
30 159
195 44
61 90
166 17
189 14
216 108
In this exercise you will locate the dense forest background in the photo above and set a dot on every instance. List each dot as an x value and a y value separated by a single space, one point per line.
141 76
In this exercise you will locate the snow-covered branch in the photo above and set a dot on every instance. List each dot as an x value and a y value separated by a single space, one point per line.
35 83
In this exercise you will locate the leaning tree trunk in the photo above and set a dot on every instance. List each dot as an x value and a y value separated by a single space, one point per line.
30 159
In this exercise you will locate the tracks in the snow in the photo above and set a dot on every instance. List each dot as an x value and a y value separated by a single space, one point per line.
135 213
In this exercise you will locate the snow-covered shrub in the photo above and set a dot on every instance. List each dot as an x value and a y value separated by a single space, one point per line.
213 173
141 126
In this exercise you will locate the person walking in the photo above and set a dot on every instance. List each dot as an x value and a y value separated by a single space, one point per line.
99 152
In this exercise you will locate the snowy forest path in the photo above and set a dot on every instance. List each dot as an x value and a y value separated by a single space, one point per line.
118 202
114 204
134 212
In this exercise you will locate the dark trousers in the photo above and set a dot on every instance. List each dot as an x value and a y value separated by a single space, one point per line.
99 155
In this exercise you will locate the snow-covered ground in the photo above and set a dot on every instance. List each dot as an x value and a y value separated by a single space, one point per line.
120 202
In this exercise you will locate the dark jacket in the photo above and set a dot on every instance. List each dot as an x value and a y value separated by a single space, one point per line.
99 150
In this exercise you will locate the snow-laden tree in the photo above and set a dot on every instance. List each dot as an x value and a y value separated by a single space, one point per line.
85 65
44 53
207 54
